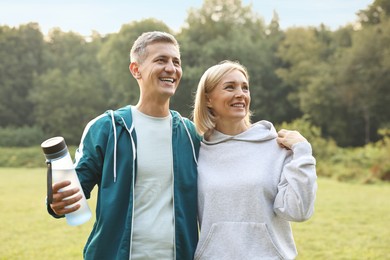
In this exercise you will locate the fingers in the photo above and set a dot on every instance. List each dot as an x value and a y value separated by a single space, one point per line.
281 139
59 185
63 199
287 138
64 207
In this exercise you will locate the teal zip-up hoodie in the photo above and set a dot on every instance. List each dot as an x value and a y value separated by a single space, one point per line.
107 157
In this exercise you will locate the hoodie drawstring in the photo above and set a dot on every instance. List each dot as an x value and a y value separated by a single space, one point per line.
129 130
192 143
115 142
131 138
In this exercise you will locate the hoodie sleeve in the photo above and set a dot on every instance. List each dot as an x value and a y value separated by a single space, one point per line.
298 185
89 155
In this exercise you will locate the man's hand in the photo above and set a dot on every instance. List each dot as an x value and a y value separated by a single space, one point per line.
286 138
63 199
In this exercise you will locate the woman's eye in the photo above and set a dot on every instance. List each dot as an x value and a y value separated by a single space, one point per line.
245 88
229 87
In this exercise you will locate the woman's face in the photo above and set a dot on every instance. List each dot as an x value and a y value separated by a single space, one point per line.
230 99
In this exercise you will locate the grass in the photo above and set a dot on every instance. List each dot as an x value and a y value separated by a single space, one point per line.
351 221
26 229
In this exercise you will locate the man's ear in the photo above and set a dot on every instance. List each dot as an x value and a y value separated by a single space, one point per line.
134 69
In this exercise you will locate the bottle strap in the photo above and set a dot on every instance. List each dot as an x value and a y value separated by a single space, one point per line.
49 183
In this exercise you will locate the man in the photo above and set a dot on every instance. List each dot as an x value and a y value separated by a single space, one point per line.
143 159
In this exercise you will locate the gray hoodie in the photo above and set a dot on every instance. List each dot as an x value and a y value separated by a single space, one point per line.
248 190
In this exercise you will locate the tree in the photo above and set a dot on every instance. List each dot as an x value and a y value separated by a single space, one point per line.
72 90
21 51
348 98
365 78
374 13
222 30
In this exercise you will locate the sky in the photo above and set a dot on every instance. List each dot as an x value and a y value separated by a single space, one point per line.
108 16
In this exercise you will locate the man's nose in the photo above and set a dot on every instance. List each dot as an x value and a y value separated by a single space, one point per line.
170 67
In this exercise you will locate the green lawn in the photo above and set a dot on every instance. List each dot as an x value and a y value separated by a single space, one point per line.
351 221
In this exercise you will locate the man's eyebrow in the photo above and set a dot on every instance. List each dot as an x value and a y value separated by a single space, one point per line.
167 57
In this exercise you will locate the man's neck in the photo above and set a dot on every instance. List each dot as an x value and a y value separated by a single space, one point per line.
153 109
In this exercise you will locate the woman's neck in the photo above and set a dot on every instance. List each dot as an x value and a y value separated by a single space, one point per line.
230 128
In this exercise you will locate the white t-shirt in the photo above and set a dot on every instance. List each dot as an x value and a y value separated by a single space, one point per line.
153 227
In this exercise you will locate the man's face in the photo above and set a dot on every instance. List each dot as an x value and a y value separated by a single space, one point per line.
160 73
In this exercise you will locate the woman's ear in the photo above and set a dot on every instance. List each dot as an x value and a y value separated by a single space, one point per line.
208 101
134 69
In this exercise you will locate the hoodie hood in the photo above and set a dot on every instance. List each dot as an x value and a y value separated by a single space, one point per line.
258 132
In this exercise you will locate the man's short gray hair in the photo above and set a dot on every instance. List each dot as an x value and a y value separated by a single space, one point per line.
138 50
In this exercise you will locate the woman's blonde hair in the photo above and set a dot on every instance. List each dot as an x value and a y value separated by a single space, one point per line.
204 119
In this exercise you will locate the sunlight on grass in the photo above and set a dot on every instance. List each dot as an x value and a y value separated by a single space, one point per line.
27 231
350 221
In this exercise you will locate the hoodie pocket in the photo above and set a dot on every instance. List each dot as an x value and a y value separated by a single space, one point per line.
237 240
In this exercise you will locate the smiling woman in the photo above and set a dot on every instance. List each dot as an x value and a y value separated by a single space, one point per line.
225 82
264 180
229 101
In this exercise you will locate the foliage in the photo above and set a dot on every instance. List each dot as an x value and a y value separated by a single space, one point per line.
21 53
20 136
362 81
322 148
365 164
338 80
62 93
375 13
27 157
21 157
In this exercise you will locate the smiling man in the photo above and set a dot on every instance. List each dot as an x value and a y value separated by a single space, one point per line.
143 158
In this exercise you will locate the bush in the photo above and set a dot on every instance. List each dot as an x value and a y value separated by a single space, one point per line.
367 164
28 157
21 137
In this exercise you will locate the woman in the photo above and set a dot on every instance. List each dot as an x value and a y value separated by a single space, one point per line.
251 180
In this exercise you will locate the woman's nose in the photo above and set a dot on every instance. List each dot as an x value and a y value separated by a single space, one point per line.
239 93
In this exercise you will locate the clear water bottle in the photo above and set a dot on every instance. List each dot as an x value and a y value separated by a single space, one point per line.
61 168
